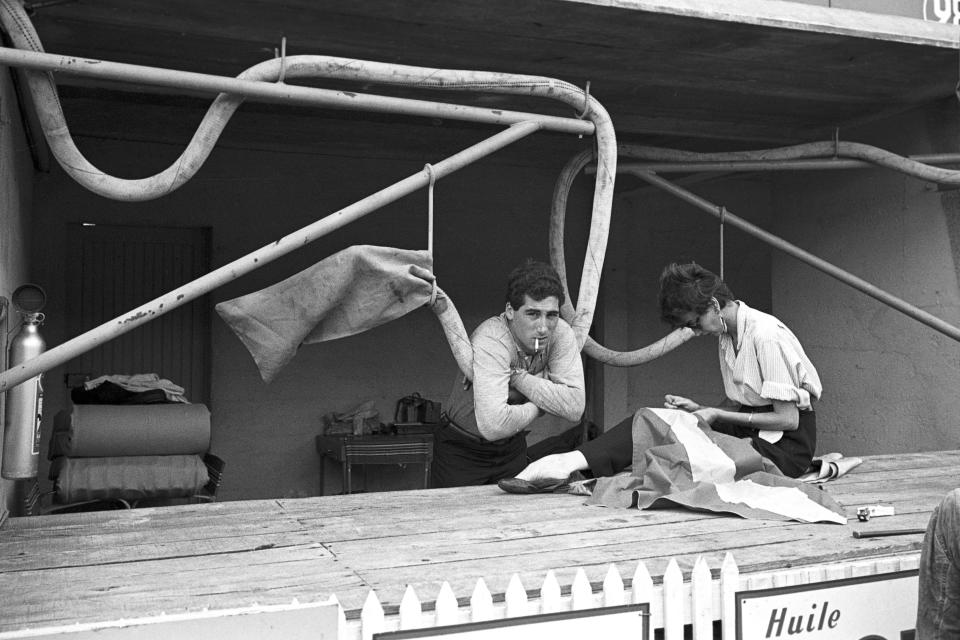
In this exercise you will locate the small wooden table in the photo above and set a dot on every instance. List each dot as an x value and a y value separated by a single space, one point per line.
375 449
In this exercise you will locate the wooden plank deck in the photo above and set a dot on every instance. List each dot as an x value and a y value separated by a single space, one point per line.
91 567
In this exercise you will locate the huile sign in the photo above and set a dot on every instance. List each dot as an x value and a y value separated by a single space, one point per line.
840 609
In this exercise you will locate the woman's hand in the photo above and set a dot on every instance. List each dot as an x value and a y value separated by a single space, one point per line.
679 402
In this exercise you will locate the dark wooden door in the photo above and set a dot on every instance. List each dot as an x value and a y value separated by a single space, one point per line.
114 269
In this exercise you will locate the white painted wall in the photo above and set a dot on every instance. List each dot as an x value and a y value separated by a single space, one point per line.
890 382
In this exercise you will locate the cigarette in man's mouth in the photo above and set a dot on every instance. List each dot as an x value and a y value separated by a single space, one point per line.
536 344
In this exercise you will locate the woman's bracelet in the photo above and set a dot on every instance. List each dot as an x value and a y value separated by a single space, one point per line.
750 419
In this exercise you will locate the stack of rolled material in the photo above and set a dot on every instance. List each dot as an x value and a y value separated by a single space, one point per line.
129 451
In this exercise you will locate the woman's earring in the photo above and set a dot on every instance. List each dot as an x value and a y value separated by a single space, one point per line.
723 323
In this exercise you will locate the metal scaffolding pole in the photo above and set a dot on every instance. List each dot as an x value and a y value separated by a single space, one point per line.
826 154
776 165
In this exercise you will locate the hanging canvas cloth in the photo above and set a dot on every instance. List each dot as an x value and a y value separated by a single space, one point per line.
347 293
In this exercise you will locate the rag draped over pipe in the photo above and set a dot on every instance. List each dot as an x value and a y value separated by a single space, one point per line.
348 293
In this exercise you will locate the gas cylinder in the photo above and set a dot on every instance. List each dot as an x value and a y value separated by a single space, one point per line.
24 405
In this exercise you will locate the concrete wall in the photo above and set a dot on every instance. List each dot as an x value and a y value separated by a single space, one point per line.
890 382
489 217
15 206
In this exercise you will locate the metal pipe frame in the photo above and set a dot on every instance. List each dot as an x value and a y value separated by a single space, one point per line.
266 81
196 288
278 92
804 256
827 154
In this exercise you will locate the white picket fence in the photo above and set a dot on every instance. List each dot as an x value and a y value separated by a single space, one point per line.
698 601
675 602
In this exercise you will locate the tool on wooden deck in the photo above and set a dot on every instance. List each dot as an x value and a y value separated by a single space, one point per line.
880 533
873 510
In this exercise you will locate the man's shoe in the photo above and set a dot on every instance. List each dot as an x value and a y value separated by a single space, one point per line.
541 485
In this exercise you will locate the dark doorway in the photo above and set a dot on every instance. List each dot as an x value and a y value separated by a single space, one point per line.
114 269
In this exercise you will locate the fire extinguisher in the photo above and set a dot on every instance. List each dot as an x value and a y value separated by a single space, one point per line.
24 405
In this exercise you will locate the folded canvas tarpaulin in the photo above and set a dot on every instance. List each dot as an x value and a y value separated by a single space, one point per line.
679 460
352 291
100 430
128 478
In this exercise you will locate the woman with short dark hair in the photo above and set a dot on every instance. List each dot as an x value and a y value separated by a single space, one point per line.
769 382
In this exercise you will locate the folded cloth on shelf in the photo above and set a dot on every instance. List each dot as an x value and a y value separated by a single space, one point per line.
347 293
679 460
111 393
127 478
100 430
138 383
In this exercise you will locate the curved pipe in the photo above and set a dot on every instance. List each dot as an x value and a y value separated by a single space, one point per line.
652 351
591 347
827 149
455 332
